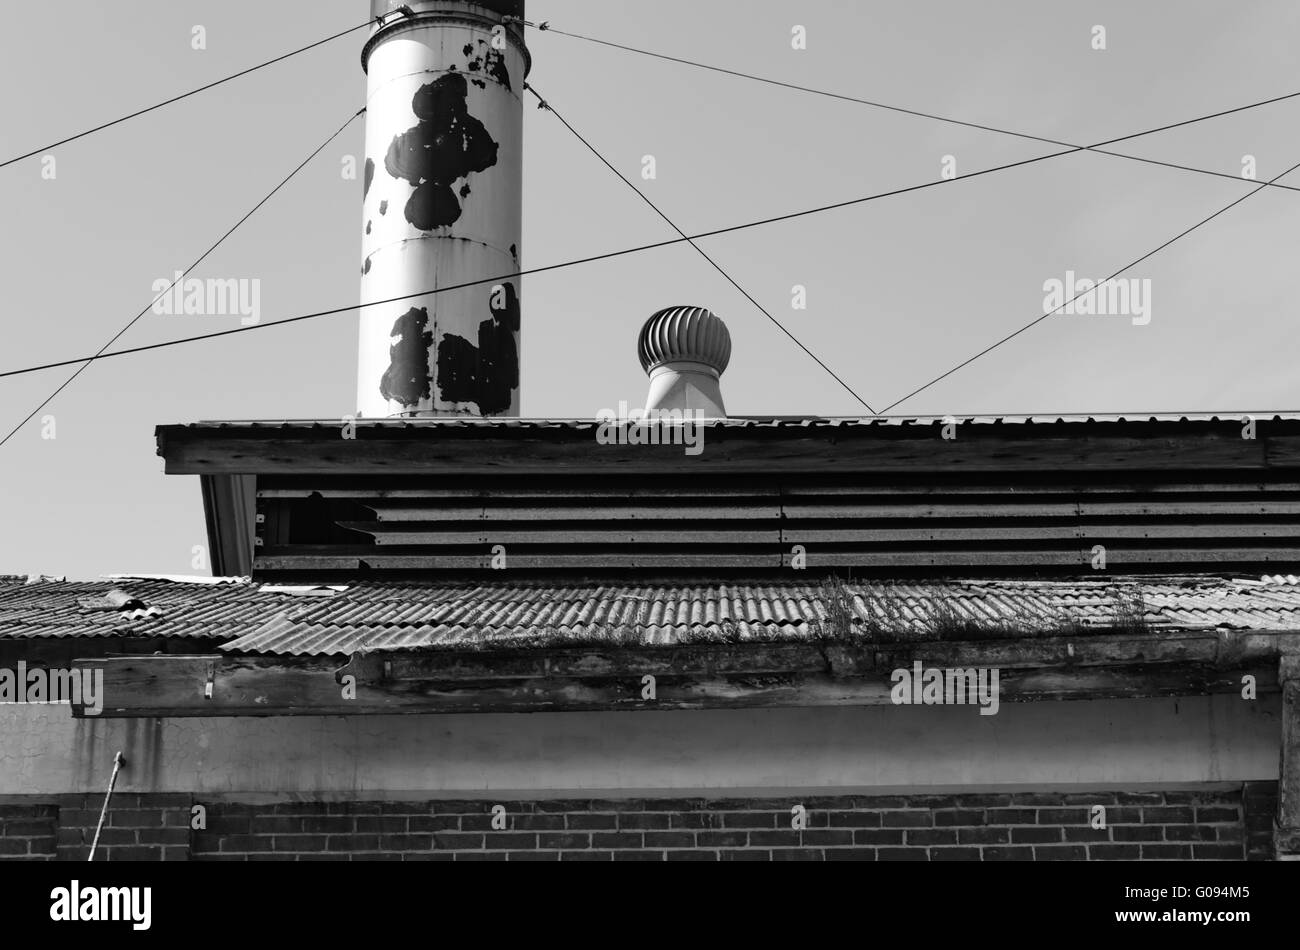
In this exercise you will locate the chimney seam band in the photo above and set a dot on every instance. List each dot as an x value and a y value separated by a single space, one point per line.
423 20
504 252
377 90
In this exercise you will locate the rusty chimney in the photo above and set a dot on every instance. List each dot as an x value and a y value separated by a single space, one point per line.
685 351
443 206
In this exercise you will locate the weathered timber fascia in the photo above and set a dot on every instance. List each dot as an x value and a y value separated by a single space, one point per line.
315 448
690 677
833 657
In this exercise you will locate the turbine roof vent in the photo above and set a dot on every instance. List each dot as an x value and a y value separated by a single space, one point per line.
685 350
684 335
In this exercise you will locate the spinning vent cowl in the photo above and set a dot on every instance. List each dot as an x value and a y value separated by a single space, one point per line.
685 351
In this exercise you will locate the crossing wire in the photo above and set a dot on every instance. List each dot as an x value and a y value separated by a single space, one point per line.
1127 267
512 275
184 95
546 27
1096 147
716 266
608 255
86 361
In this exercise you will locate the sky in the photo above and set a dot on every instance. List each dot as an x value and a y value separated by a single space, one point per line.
898 290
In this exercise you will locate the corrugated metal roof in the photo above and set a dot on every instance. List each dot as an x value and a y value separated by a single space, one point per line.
754 422
378 617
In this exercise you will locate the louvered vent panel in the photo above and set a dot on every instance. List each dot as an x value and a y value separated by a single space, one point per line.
320 526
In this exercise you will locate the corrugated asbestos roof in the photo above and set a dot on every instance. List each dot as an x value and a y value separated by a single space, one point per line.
381 617
42 607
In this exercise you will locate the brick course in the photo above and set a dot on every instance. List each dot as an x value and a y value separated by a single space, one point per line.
1044 826
1013 826
137 828
27 832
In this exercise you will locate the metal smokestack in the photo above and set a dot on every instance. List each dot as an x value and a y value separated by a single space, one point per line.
443 206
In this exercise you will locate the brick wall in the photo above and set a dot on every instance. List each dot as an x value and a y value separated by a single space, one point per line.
989 827
138 828
27 832
1209 824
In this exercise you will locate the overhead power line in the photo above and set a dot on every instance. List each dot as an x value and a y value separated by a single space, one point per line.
762 222
184 95
86 361
512 275
1095 147
938 118
731 280
1097 287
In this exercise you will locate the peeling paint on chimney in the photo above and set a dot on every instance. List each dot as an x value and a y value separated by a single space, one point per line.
491 62
444 131
485 374
445 145
407 379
